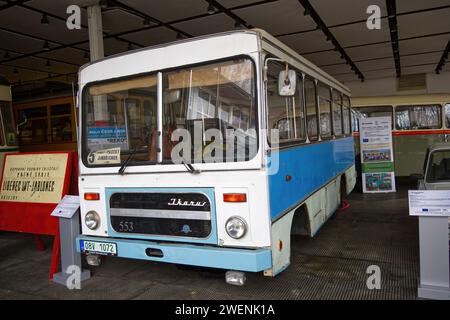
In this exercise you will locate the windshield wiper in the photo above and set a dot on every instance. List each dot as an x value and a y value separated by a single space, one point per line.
130 156
190 167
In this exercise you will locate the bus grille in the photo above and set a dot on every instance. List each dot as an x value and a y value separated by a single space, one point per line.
168 214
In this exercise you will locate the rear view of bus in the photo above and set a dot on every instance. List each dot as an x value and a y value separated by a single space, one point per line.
176 164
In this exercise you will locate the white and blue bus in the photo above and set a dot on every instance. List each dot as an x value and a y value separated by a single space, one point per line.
290 164
8 137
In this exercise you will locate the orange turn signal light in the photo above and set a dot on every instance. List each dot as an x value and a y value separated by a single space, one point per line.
91 196
234 197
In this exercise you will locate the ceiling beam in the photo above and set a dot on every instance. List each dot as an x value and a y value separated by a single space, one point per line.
63 19
393 28
364 20
380 58
18 83
26 35
123 33
11 4
32 69
381 42
43 58
443 59
309 10
238 20
143 15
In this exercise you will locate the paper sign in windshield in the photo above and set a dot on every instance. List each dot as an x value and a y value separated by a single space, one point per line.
107 156
107 137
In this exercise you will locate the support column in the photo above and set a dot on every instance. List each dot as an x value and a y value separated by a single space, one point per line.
95 27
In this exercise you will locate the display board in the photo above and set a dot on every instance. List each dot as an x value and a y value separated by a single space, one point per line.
429 203
36 178
377 156
31 187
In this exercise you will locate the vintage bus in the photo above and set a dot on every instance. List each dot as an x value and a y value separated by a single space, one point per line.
418 121
286 122
8 140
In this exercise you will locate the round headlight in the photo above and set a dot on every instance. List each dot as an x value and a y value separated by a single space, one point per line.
92 220
236 227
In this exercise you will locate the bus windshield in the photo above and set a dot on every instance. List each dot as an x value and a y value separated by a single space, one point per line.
121 117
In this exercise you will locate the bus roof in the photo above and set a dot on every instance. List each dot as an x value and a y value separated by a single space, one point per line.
304 64
269 43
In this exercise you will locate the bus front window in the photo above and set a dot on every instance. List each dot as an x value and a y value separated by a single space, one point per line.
121 116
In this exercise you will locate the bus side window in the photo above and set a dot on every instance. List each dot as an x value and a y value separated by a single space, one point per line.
447 115
311 111
346 115
2 139
325 110
337 113
416 117
285 113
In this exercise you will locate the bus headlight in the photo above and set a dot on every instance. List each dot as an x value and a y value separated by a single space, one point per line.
92 220
236 227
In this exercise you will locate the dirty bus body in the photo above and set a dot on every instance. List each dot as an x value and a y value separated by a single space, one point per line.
234 213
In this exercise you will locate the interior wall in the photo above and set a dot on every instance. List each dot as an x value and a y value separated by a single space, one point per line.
436 83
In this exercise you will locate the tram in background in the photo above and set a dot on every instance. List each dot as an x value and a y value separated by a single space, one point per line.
46 123
8 137
418 121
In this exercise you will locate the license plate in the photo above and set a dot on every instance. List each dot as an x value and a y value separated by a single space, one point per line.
103 248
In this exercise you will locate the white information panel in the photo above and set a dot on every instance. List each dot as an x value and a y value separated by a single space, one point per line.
67 207
429 203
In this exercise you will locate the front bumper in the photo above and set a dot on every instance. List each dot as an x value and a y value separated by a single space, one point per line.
251 260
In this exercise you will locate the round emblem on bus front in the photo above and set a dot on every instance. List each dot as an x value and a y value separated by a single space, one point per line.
186 229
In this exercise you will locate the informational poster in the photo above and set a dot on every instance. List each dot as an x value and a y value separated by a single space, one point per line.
37 178
429 203
100 138
377 156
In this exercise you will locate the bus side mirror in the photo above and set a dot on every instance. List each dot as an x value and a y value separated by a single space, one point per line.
287 82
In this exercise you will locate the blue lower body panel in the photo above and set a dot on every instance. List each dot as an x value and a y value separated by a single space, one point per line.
251 260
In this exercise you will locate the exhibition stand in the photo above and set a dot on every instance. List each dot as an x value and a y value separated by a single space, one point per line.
32 185
433 209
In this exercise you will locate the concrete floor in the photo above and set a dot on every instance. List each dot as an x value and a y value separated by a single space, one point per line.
376 230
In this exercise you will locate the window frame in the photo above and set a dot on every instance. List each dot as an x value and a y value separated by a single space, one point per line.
2 130
345 97
316 105
419 105
330 104
164 71
429 159
22 107
342 113
300 81
356 108
447 122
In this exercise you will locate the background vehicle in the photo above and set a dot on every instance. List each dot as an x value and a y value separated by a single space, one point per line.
8 140
419 121
436 168
235 211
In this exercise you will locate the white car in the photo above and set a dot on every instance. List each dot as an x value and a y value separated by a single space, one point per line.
436 169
